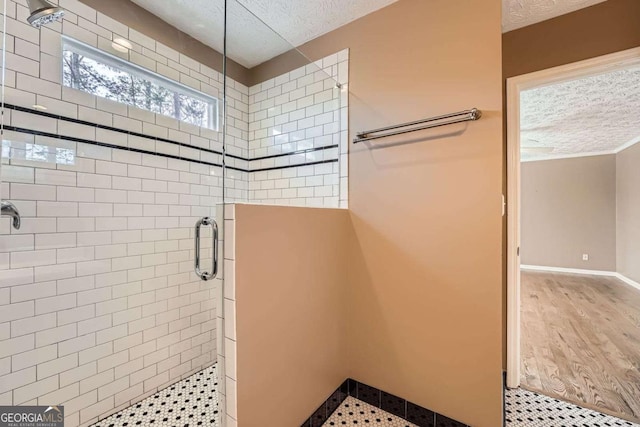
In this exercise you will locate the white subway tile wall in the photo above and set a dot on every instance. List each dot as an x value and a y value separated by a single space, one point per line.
99 303
305 111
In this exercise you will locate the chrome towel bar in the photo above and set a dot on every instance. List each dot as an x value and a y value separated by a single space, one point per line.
433 122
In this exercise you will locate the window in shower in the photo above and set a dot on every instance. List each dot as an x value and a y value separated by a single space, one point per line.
99 73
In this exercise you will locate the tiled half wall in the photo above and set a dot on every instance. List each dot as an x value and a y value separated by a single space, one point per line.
99 305
285 312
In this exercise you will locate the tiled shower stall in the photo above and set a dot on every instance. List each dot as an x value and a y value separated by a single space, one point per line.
99 303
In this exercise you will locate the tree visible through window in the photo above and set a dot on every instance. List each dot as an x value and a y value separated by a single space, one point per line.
98 73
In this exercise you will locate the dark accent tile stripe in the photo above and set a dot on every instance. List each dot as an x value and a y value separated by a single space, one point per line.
387 402
114 129
308 150
154 138
170 156
319 162
113 146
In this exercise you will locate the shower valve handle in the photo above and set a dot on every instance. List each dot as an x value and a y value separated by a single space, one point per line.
9 209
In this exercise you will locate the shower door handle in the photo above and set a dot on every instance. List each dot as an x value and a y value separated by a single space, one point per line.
207 275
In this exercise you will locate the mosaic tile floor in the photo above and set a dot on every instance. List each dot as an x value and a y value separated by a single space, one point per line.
527 409
194 402
190 402
353 411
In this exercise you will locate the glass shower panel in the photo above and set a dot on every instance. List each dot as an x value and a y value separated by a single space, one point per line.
285 144
294 124
112 150
119 137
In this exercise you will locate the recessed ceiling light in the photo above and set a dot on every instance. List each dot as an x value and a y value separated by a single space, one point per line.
39 107
121 45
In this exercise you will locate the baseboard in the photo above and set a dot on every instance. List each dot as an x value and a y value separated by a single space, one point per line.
628 281
615 274
568 270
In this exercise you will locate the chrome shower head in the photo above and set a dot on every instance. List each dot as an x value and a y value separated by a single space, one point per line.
43 13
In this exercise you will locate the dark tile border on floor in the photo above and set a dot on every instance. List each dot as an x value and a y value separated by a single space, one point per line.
395 405
504 397
322 414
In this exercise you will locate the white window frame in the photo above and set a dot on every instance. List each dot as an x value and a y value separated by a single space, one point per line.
69 44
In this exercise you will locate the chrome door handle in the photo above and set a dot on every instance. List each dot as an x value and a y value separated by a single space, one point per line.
206 275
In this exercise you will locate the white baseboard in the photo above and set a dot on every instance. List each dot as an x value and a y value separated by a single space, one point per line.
567 270
582 271
628 281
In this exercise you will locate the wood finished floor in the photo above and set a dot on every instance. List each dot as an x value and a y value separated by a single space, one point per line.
581 341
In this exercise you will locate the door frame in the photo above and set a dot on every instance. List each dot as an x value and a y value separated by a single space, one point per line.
515 85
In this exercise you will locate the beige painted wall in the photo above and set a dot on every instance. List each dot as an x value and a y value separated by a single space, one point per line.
291 307
607 27
425 267
628 214
569 209
425 281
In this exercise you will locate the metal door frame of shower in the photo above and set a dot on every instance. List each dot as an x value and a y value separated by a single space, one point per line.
222 411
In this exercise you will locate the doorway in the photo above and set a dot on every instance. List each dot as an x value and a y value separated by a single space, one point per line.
572 308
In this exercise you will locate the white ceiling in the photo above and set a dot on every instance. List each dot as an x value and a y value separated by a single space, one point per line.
252 41
520 13
595 114
249 41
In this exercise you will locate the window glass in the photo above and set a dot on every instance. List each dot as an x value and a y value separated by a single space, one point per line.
101 74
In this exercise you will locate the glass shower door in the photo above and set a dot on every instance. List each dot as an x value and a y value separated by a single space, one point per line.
111 152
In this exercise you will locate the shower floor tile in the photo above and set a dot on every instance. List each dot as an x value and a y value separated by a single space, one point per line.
523 409
528 409
194 402
353 411
190 402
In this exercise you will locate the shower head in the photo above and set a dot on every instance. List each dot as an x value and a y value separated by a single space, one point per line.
43 13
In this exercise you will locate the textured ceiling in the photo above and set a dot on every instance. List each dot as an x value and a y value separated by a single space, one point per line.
589 115
249 41
520 13
286 23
